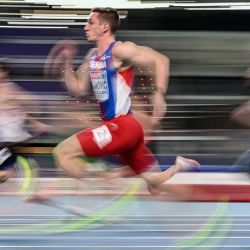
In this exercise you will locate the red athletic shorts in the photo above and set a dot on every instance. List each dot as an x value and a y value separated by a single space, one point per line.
119 136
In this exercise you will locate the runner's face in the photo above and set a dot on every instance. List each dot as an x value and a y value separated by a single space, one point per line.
94 29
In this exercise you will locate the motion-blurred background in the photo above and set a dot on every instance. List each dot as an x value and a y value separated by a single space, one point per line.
208 43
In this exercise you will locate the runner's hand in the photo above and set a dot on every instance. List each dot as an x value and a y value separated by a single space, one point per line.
159 107
64 50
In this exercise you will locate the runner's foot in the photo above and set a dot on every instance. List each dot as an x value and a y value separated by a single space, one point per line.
186 163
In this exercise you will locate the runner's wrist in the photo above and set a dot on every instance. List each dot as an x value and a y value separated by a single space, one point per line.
160 90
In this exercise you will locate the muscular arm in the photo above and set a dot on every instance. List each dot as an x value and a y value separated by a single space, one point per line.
128 53
61 58
133 54
77 82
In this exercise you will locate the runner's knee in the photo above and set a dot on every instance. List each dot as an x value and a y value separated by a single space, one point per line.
154 189
60 152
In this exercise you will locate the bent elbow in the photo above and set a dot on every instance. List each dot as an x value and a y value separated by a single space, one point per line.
163 62
166 61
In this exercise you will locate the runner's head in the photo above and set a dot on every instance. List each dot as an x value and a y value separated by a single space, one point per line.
101 21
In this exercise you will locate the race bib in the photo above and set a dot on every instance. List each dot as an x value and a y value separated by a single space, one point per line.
102 136
100 85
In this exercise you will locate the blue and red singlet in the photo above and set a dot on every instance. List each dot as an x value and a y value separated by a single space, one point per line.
120 133
112 88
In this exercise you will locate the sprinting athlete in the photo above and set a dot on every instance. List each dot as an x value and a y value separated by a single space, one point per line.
108 70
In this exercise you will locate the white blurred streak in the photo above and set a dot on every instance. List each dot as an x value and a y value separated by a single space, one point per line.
33 27
49 23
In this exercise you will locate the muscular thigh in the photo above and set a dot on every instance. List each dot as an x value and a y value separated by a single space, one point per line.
139 158
70 146
112 137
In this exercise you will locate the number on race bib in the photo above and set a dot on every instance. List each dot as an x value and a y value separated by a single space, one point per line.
102 136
